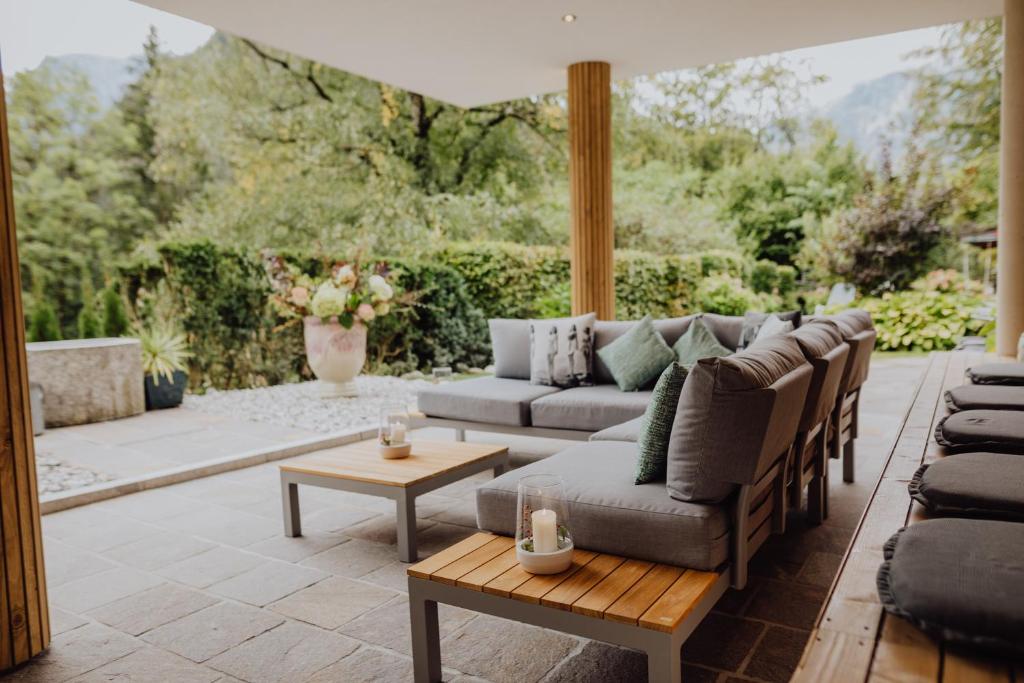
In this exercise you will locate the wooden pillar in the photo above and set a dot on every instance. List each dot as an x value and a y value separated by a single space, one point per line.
24 616
1010 253
592 240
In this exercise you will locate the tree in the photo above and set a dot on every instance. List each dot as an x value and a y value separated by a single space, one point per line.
89 324
115 317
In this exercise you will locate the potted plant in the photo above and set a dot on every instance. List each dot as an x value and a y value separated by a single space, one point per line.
164 353
335 311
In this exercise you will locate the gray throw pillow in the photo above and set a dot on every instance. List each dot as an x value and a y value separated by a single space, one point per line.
752 324
637 358
699 342
510 344
562 351
656 428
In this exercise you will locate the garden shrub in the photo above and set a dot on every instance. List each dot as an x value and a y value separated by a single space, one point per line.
721 261
43 324
115 318
726 295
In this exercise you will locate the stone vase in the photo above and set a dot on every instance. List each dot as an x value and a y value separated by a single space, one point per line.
335 355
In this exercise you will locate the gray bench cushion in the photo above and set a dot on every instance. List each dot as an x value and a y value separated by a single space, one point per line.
608 513
972 485
588 409
980 430
997 373
486 399
959 580
626 431
985 397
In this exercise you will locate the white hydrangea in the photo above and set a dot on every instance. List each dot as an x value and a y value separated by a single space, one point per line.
380 288
329 300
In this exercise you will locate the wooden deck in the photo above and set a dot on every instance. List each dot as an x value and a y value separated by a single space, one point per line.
854 639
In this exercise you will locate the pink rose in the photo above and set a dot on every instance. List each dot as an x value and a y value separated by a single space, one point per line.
300 296
366 312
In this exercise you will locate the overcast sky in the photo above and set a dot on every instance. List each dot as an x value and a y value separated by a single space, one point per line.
33 29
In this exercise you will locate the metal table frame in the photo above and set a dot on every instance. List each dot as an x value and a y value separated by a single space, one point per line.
404 496
663 649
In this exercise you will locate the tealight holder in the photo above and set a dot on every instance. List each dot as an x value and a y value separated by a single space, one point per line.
393 433
543 542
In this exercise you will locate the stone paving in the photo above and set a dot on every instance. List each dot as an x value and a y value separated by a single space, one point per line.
196 582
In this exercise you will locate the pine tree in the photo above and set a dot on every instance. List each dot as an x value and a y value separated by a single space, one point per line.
89 324
115 318
43 324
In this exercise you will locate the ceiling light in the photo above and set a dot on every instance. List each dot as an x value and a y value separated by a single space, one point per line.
568 18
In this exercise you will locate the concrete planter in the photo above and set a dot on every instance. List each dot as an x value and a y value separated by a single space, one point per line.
88 380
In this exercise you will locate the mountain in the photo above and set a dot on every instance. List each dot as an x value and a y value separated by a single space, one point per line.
874 111
108 75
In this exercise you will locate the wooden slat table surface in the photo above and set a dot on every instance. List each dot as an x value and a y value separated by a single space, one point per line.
653 596
855 640
361 461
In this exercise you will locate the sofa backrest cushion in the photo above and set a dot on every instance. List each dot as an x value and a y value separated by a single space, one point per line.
824 348
510 342
607 331
736 416
728 329
855 320
859 361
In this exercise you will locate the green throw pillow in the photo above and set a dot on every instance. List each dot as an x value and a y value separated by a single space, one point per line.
636 358
652 445
699 342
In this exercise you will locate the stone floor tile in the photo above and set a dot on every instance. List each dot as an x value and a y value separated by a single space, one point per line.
62 621
332 602
734 601
388 625
211 631
157 606
777 655
230 494
336 518
149 506
698 674
64 563
268 582
392 575
366 665
383 529
297 548
441 536
104 534
601 662
820 569
151 665
788 604
291 652
212 567
353 559
158 549
74 653
501 650
722 642
224 525
99 589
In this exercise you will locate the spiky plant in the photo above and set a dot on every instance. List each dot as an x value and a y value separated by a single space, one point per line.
163 352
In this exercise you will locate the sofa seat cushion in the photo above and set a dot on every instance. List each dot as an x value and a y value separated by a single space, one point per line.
608 513
979 430
984 397
997 373
588 408
625 431
486 399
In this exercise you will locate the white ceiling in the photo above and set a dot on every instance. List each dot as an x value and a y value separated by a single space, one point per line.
473 52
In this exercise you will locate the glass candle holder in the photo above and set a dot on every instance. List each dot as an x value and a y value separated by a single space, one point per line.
543 541
393 432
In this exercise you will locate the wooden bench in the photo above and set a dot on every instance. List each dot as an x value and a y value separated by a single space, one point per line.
855 639
636 604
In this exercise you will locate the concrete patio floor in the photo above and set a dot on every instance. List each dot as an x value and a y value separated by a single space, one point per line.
196 582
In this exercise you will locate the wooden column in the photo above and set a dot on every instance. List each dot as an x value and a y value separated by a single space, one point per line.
1010 253
24 616
590 181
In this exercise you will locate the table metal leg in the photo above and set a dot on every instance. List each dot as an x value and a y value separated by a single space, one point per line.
426 641
406 505
290 505
664 662
460 435
499 470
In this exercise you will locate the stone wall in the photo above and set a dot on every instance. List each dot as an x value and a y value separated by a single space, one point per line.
88 380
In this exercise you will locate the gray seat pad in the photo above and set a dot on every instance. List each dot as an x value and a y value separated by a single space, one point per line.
627 431
997 373
608 513
981 430
972 485
959 580
589 409
985 397
486 399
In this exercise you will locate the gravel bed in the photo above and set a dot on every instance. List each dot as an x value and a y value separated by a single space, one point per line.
55 476
300 405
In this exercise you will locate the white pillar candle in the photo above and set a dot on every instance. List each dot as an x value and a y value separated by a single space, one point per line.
545 535
397 433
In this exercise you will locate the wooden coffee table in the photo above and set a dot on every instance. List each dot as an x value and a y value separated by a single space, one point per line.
359 468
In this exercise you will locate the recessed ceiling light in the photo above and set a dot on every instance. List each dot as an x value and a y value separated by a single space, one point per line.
568 18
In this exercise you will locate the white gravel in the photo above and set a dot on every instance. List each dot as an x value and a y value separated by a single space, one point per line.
300 405
55 475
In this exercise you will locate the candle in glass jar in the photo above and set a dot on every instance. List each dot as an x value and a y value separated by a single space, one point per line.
397 433
545 537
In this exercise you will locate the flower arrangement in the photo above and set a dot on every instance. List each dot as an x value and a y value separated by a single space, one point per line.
351 293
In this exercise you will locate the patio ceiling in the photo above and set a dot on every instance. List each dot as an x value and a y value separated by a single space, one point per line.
473 52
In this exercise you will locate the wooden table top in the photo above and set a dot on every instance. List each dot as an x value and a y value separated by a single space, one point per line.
855 639
361 461
650 595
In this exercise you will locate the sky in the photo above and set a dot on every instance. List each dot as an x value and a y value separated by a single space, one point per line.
33 29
